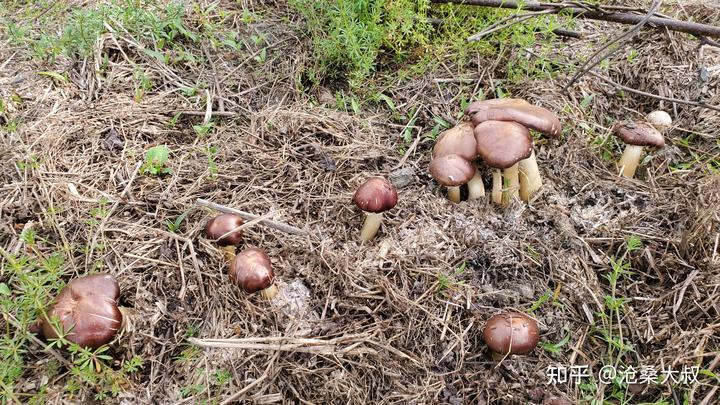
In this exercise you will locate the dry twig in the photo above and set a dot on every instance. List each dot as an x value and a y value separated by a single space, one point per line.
281 226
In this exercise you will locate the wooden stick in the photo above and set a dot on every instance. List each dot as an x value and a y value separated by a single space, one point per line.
573 9
281 226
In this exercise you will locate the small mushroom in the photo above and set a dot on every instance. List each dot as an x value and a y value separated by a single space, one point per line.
452 171
635 135
460 140
531 116
252 271
660 120
86 310
374 197
510 333
502 144
223 229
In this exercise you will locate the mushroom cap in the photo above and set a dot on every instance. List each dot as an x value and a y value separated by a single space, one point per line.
660 119
376 195
451 170
639 134
458 140
501 144
251 270
511 333
518 110
222 224
86 309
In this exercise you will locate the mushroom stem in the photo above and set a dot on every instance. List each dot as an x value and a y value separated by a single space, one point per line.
497 187
371 225
270 292
530 180
229 253
125 318
476 188
629 161
454 194
511 178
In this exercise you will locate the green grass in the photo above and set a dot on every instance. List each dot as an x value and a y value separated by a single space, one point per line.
74 34
353 39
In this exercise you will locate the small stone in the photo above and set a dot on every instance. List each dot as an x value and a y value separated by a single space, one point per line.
402 177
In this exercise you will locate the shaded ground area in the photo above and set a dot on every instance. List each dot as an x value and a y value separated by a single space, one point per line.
398 319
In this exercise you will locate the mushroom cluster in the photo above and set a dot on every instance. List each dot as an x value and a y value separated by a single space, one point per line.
250 269
499 134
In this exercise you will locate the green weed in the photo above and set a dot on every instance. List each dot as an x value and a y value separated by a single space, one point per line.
155 160
147 22
211 152
447 282
174 226
352 39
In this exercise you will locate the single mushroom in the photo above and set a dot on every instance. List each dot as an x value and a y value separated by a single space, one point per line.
502 144
512 109
252 271
635 135
510 333
531 116
452 171
460 140
660 120
374 197
85 311
223 229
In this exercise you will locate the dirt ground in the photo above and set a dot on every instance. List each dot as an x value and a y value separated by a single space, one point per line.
391 321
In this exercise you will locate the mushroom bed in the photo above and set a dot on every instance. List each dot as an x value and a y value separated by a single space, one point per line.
398 318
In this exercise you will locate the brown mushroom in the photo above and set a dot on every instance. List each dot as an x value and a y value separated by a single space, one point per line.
252 271
502 144
223 229
460 140
635 135
512 109
374 197
531 116
85 312
510 333
452 171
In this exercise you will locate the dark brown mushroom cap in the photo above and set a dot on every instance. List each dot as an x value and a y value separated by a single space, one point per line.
86 310
458 140
451 170
376 195
518 110
251 270
639 134
501 144
511 332
222 224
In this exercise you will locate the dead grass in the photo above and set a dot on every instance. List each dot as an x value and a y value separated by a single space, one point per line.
385 330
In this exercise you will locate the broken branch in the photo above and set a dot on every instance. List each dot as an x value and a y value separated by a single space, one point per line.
594 13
